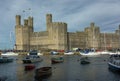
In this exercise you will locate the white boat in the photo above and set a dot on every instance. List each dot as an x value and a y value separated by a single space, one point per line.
40 53
54 53
34 52
37 53
9 54
89 52
113 53
68 53
105 52
114 62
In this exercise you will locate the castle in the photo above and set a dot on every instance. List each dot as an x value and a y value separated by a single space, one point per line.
57 37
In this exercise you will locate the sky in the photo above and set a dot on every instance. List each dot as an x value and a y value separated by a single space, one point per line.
78 14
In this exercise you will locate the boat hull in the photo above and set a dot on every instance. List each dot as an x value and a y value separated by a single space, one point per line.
29 67
85 62
56 61
113 67
6 60
31 60
43 73
69 53
9 54
89 54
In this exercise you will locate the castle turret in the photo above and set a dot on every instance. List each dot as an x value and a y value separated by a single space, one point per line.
25 22
48 20
18 20
30 21
92 24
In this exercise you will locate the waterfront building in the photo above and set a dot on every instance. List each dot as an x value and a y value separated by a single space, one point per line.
57 37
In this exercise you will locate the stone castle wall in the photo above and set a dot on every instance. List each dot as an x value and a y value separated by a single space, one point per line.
57 37
54 38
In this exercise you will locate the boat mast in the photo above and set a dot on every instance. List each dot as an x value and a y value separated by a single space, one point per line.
70 44
37 41
10 39
119 37
104 42
93 37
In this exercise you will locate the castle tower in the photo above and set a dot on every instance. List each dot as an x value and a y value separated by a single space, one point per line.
48 20
18 33
93 34
92 24
18 20
30 21
25 22
22 33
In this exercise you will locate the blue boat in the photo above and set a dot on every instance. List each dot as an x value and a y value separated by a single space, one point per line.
114 62
4 59
32 57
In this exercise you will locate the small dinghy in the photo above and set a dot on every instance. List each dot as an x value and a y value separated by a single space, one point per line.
29 67
43 72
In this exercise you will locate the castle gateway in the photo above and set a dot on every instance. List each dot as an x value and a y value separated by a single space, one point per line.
57 37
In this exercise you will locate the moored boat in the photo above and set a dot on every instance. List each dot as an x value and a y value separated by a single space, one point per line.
68 53
32 59
85 61
43 72
9 54
29 67
55 60
89 52
54 53
3 78
4 59
34 52
114 62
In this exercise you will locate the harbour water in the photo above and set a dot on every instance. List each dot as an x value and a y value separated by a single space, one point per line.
69 70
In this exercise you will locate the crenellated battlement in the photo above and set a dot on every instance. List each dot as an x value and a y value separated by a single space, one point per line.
27 22
59 24
57 37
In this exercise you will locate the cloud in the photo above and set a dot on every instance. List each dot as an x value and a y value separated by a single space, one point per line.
78 14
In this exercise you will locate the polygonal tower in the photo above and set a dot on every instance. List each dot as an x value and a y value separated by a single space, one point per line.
23 33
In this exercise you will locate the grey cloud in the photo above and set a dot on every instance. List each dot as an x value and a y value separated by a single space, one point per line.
77 13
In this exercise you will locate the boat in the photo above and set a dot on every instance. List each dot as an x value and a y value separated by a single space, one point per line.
89 52
85 61
55 60
3 78
34 52
4 59
9 54
43 72
114 62
54 53
68 53
32 57
29 67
